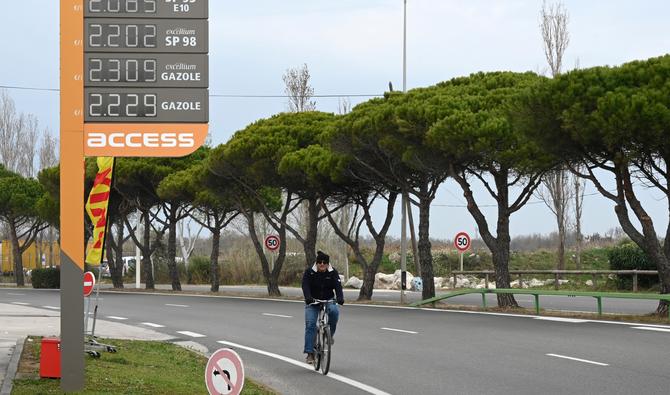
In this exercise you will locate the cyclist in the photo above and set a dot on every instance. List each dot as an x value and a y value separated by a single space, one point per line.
321 281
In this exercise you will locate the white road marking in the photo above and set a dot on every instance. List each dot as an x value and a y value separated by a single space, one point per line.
346 380
578 359
647 328
399 330
560 319
21 303
116 318
192 334
51 307
151 324
278 315
9 293
176 305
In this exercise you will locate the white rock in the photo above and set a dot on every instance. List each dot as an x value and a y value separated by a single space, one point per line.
535 283
589 283
354 282
462 282
438 281
383 281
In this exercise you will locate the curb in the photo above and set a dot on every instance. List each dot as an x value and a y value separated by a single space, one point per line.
13 368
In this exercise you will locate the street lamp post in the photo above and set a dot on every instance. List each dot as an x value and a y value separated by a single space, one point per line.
403 230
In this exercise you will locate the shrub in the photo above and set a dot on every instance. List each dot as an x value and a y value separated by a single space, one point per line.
630 257
46 278
198 270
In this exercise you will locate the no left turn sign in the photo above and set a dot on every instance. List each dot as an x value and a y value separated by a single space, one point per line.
462 241
272 242
224 373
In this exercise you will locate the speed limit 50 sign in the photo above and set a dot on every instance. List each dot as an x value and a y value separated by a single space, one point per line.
462 241
272 242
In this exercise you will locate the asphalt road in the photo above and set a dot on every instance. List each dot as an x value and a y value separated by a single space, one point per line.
405 351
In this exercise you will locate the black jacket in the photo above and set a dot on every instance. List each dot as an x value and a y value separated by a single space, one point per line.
317 285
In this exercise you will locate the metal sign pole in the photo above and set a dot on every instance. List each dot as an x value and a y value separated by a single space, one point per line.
72 193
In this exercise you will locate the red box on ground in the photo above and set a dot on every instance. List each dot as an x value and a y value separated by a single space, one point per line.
50 358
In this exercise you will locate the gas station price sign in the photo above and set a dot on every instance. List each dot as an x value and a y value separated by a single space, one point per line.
147 8
146 66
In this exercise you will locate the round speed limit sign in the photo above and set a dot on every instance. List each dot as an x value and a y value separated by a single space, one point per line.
272 242
462 241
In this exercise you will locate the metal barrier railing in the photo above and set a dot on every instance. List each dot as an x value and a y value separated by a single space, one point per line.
537 293
558 273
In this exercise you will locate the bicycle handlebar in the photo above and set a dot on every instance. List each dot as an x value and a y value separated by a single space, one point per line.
319 301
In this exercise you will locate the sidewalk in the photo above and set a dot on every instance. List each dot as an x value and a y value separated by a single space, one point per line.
18 322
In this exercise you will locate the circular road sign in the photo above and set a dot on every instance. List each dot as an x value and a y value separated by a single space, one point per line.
224 373
272 242
89 283
462 241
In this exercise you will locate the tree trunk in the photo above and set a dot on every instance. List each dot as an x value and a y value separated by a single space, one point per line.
271 278
368 282
561 248
312 228
117 247
425 256
172 247
146 253
51 247
16 254
214 270
664 277
500 256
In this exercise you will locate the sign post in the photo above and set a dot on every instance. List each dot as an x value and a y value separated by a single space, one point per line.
134 82
272 244
462 244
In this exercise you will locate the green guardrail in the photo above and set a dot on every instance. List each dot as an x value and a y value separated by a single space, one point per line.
536 293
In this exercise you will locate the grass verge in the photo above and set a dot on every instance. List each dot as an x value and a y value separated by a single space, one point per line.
139 367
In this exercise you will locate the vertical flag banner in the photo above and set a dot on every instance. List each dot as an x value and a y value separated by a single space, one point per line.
96 207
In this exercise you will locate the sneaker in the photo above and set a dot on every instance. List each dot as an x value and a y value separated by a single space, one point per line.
310 358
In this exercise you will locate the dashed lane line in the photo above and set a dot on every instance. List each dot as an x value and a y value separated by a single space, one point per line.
399 330
191 334
113 317
176 305
151 324
277 315
51 307
346 380
21 303
577 359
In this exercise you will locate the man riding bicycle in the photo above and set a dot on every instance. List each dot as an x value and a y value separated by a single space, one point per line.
321 281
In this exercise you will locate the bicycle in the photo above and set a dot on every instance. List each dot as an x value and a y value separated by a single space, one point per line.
323 343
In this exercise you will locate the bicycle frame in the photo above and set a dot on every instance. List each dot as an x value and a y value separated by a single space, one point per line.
322 345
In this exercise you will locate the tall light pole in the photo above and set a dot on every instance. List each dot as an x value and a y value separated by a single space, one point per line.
403 230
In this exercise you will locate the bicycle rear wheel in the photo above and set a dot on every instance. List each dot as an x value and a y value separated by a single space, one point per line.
325 350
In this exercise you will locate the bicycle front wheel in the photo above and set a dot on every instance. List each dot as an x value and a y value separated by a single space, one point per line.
325 350
318 350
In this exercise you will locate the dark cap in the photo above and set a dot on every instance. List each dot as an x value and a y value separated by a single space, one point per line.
322 257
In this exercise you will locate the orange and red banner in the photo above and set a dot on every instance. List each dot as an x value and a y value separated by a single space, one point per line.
96 207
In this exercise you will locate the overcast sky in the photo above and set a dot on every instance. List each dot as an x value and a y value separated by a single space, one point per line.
354 47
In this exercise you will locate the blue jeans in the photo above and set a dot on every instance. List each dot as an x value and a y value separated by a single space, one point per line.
311 315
